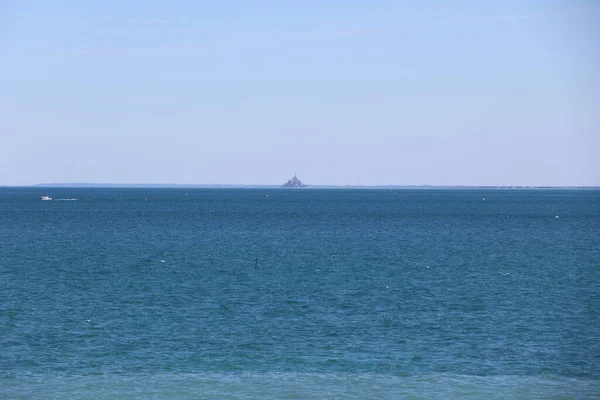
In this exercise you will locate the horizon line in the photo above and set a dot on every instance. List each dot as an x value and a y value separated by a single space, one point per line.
275 186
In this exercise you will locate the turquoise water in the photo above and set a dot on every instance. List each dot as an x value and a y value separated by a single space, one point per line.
299 294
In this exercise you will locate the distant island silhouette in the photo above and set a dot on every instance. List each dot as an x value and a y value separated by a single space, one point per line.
294 183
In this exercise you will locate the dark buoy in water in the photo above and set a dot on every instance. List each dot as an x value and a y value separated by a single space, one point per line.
256 263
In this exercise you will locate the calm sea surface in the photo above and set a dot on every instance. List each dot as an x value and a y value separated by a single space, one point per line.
299 294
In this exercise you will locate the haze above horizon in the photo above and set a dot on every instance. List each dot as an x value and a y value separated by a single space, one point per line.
343 92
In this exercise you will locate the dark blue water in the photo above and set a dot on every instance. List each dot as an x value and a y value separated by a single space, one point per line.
168 293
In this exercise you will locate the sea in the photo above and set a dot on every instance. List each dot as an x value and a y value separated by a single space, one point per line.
139 293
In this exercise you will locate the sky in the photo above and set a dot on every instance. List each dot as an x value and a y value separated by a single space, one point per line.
340 92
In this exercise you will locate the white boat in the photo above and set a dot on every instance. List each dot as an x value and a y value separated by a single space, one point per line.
46 198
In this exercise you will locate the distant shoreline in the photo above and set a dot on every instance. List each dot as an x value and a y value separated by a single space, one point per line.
240 186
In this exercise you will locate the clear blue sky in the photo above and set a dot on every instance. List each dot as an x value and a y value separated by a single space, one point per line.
340 92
